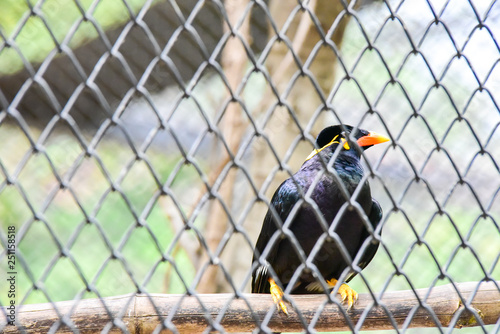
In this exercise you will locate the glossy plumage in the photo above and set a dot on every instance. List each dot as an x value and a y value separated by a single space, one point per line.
304 223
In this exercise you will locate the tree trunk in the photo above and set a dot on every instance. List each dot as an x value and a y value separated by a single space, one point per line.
301 96
232 128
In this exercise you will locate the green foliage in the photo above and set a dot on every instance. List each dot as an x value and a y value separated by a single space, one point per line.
106 250
55 21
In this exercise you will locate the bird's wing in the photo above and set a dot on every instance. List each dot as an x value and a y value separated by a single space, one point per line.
283 201
375 217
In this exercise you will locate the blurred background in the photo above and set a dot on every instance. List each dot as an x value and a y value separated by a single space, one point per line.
141 141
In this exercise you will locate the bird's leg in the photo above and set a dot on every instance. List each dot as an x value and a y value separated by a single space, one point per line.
345 291
277 295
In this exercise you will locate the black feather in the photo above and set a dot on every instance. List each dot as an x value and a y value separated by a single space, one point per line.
282 255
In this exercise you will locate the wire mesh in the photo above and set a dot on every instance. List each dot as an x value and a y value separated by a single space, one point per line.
142 141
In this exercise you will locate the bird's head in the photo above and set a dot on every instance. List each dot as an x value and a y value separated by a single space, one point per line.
335 135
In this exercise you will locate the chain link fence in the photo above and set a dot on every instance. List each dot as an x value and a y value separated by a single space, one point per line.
141 142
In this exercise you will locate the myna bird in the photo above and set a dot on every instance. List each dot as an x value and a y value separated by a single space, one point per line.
305 222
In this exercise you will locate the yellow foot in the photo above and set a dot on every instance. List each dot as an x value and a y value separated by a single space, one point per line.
277 295
346 292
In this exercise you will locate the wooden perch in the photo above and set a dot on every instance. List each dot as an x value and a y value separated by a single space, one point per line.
138 315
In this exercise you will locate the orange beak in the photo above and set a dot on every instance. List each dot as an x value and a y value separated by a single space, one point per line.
372 139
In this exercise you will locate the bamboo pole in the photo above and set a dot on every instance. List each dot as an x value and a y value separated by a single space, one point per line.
138 315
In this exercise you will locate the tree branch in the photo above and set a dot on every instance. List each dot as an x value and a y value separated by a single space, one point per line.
137 314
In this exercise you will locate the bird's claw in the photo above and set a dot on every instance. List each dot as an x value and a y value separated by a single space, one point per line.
277 295
346 292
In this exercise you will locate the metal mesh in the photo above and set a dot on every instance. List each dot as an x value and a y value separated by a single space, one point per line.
142 140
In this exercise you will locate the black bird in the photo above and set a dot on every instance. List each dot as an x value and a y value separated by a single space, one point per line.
305 224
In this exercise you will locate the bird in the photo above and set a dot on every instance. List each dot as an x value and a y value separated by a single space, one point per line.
291 217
